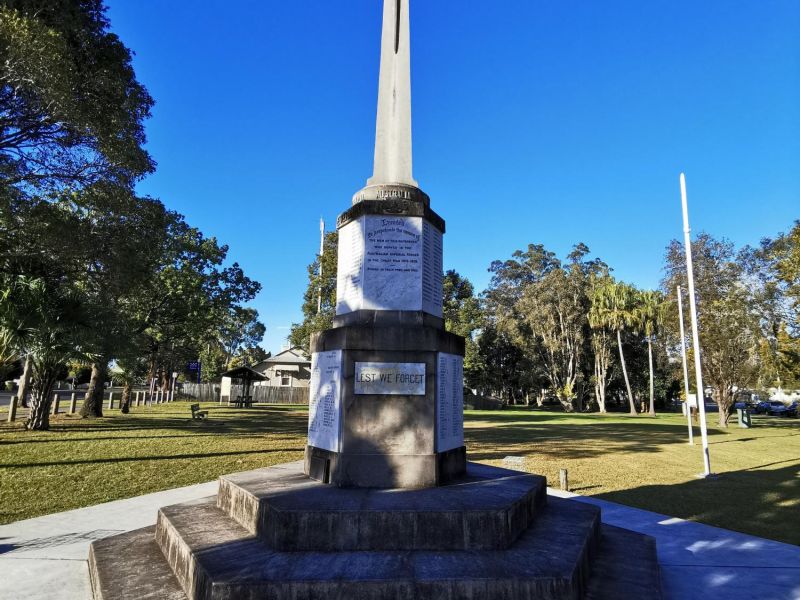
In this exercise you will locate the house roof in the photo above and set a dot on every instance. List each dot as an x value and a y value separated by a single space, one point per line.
245 373
292 356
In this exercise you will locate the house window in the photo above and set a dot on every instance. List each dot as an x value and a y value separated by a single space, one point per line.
284 379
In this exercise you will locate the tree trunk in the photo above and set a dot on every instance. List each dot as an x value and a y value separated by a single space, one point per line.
125 403
41 400
93 401
724 400
540 398
599 384
625 373
652 384
25 382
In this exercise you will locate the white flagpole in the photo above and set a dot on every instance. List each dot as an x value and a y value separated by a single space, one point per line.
685 368
321 252
698 371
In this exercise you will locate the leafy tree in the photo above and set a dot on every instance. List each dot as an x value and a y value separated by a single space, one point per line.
114 267
37 275
241 329
508 346
542 305
785 254
506 371
777 267
463 316
51 329
249 356
728 310
321 284
181 308
71 109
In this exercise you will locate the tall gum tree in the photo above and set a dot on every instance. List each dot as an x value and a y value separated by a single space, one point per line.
728 311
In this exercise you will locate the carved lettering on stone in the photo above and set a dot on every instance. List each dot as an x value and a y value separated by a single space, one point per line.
389 263
449 402
325 400
407 379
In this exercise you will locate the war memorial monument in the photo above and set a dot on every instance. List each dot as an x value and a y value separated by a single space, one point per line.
385 504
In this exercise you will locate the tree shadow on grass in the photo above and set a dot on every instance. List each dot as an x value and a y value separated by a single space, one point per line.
758 501
579 440
221 420
123 459
492 436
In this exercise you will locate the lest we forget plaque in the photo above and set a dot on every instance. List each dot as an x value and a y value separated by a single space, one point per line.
390 378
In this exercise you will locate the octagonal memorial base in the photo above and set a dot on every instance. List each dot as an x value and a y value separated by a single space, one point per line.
274 533
365 433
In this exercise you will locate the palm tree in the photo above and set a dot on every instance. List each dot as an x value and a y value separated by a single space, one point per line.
46 324
613 307
648 315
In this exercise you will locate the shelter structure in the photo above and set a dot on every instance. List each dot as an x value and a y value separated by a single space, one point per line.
236 385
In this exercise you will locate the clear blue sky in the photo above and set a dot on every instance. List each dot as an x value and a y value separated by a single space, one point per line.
547 122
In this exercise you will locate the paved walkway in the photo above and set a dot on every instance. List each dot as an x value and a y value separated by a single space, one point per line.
698 561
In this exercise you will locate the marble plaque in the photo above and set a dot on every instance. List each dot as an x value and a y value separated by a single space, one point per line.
393 263
449 402
407 379
432 270
325 400
389 263
350 268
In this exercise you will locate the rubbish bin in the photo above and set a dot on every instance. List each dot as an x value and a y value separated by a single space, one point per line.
744 418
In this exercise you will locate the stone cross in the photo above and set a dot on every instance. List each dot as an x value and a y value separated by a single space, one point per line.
393 128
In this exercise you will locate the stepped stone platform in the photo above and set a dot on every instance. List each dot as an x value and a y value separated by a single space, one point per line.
274 533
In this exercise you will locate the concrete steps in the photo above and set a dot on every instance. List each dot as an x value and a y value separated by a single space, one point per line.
199 551
132 561
625 567
487 510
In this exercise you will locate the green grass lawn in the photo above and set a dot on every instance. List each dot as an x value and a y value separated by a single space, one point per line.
639 461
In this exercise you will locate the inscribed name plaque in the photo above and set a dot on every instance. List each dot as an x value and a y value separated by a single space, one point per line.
449 402
325 400
406 379
389 263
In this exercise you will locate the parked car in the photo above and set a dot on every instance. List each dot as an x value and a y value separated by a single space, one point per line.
779 409
762 408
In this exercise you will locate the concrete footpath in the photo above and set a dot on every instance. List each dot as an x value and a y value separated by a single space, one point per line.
45 557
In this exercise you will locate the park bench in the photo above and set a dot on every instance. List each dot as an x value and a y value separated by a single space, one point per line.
243 401
197 413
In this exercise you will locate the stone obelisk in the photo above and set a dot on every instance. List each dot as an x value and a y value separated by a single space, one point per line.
393 130
386 402
385 411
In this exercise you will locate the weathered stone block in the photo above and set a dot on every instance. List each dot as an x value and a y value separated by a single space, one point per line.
487 509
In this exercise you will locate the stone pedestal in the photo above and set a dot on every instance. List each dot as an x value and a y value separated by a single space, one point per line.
275 533
386 397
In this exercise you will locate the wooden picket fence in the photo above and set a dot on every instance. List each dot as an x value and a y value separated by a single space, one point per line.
210 392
